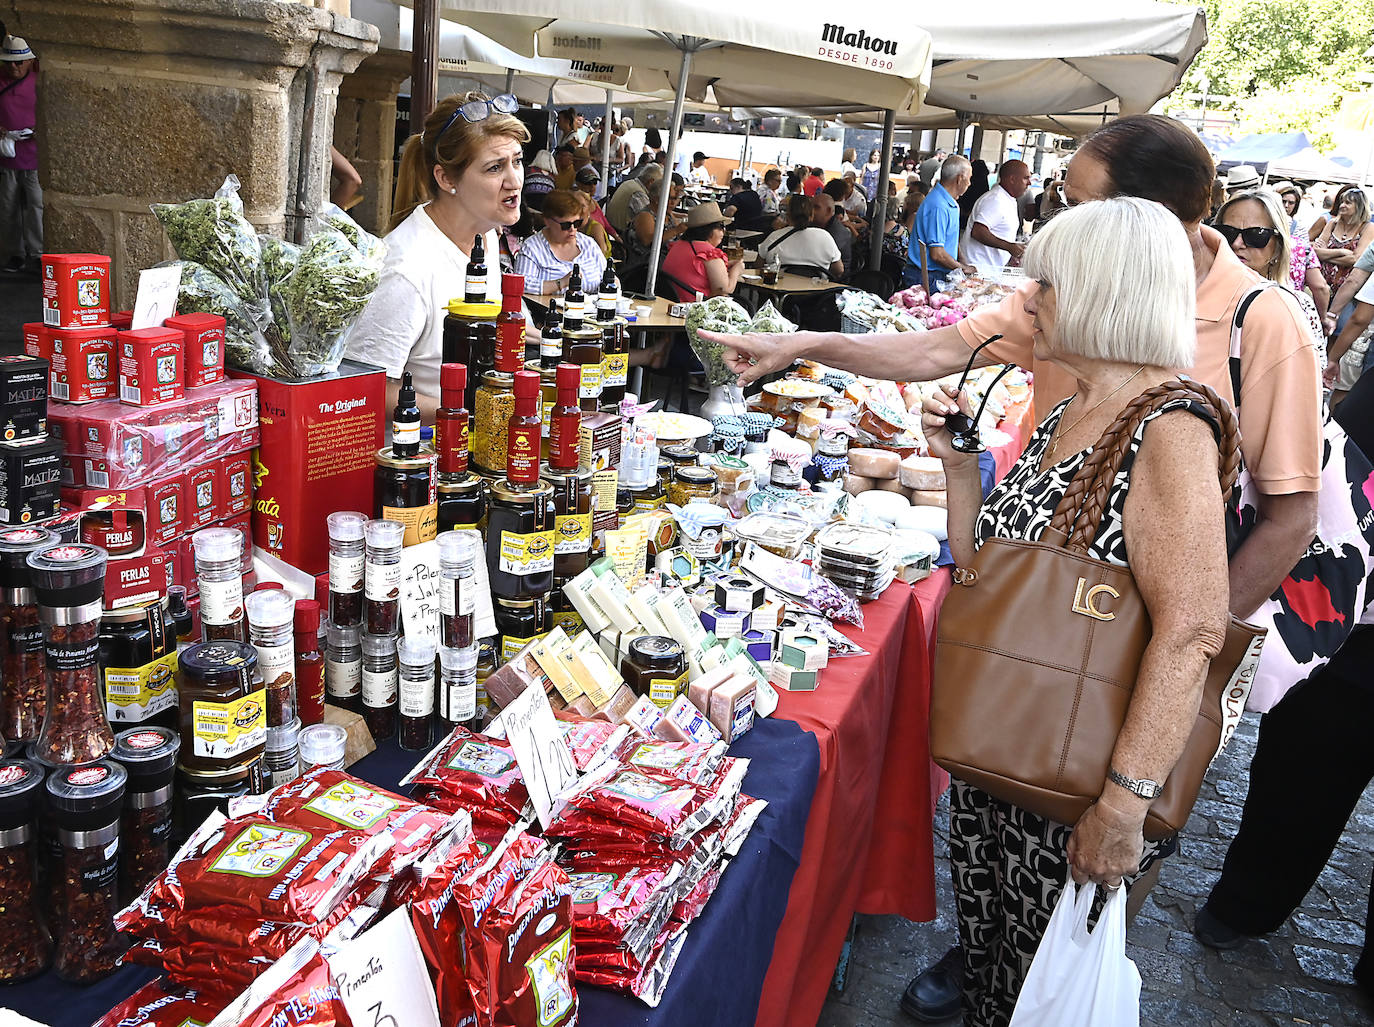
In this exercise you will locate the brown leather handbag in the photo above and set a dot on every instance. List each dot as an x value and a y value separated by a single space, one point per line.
1039 646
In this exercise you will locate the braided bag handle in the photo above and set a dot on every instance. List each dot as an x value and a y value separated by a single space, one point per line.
1075 521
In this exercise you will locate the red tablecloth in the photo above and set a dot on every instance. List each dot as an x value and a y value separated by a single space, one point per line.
867 832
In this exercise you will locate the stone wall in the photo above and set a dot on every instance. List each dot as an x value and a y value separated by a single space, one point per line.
365 132
147 101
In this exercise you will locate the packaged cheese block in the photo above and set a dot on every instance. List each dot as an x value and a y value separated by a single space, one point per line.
924 497
892 485
922 472
932 519
873 463
856 483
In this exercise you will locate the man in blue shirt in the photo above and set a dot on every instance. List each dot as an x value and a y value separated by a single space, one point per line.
937 226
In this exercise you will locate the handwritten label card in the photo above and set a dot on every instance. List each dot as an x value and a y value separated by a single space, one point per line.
156 299
540 749
420 591
382 979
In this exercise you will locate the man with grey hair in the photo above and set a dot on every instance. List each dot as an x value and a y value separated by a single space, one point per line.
936 228
632 197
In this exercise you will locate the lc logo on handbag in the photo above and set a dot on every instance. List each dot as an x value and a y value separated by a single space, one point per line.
1084 603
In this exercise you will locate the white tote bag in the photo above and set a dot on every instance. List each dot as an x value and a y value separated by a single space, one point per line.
1080 978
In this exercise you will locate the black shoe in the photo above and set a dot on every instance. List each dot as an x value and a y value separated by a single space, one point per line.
937 994
1209 930
15 265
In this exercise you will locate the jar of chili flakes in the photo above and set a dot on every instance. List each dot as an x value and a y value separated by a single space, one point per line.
69 581
149 756
86 804
27 945
23 689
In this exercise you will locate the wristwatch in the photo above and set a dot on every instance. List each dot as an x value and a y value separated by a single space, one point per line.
1146 789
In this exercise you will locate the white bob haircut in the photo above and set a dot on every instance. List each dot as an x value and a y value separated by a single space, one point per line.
1122 273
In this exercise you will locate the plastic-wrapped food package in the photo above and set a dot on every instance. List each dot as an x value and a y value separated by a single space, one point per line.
322 297
203 292
691 761
473 772
161 1003
214 233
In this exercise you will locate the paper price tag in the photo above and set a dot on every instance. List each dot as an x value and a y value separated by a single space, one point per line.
382 979
540 750
157 296
420 591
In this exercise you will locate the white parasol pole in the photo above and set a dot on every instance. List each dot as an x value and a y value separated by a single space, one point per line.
604 186
744 154
875 227
665 190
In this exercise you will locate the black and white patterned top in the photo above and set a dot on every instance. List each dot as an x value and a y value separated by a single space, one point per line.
1022 504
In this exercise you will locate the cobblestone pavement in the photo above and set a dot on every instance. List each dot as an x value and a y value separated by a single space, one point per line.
1298 975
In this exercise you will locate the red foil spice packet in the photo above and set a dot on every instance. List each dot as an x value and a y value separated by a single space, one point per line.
607 903
654 803
161 1003
590 741
296 990
646 981
476 771
691 761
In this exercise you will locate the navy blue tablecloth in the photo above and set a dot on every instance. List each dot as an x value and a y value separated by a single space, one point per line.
720 971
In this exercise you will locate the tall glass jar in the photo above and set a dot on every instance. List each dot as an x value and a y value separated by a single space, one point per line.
458 555
271 621
85 803
458 688
27 946
219 570
69 581
149 756
416 660
379 684
572 522
382 574
343 667
494 405
23 691
346 567
520 540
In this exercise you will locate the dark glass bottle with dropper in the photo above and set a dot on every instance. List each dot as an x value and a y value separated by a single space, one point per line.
551 339
574 302
607 295
475 281
405 420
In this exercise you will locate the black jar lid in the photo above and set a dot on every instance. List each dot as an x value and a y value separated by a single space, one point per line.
148 755
69 574
220 663
21 782
15 546
88 797
656 652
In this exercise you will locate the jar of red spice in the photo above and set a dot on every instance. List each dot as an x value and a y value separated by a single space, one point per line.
23 687
27 945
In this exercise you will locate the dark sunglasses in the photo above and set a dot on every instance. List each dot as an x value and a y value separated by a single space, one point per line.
479 110
567 226
1254 238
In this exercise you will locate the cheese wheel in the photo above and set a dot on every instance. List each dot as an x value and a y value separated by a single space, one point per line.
925 473
873 463
929 497
856 483
884 505
925 518
892 485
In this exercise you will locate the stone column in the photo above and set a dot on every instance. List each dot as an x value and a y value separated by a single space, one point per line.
148 101
365 131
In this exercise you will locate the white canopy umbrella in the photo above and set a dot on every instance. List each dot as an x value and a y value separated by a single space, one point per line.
882 60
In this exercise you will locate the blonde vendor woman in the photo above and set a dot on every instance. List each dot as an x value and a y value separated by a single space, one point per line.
460 178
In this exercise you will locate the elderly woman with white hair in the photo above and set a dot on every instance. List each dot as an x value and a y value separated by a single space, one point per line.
1119 319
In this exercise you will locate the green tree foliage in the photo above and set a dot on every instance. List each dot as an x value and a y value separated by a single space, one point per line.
1282 66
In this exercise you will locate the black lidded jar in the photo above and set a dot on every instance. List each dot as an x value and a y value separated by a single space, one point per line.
149 756
655 666
470 338
86 803
131 639
520 542
223 711
462 502
27 947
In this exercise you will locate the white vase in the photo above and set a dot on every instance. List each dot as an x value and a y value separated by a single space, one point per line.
723 399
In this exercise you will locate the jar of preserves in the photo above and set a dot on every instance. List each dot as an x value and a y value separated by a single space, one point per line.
379 684
118 532
271 629
691 482
519 622
223 706
562 613
322 746
219 571
27 947
462 503
343 667
493 407
149 758
85 803
23 689
572 522
415 693
138 659
655 666
470 338
615 360
198 794
69 583
582 346
406 492
520 540
346 567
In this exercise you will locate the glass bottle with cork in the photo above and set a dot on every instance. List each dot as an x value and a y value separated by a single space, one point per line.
405 420
510 325
520 543
451 422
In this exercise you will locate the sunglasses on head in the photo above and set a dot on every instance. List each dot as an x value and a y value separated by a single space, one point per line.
479 110
1254 238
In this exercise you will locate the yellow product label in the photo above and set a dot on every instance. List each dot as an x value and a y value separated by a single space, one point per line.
603 489
545 416
572 533
224 730
590 386
645 505
512 644
664 690
422 522
133 694
614 369
527 554
569 622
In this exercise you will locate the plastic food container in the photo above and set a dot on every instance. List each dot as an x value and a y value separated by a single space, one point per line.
781 534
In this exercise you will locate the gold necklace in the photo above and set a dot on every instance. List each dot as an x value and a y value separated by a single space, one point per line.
1056 435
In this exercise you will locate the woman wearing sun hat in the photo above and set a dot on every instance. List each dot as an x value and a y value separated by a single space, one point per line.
696 263
21 198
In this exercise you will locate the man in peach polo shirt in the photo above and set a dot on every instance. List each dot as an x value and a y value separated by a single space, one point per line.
1158 159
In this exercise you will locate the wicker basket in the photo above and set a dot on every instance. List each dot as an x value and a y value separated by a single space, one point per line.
850 325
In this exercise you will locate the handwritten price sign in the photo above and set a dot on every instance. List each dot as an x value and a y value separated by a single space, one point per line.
382 979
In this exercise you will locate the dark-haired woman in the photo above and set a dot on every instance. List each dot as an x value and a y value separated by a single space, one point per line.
696 265
459 179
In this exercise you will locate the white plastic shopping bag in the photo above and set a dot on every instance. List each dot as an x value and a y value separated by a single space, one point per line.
1080 978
